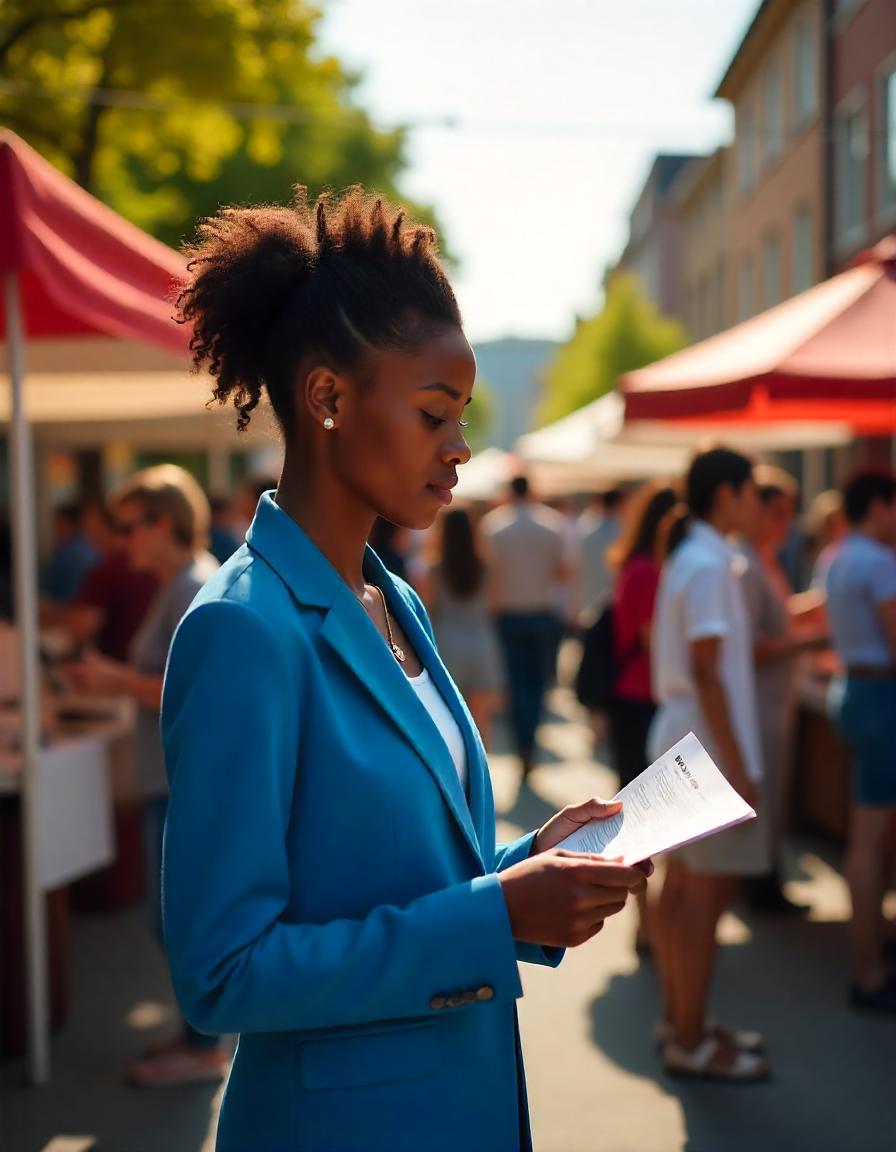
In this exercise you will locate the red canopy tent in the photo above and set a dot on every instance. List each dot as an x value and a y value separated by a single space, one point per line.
71 268
82 269
828 354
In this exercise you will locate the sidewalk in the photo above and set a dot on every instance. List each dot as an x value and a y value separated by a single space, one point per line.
594 1080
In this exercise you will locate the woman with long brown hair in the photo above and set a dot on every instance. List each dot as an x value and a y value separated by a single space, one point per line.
634 557
457 599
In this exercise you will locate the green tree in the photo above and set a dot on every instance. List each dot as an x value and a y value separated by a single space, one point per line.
166 108
627 334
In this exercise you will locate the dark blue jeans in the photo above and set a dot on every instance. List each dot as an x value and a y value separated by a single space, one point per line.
529 642
155 809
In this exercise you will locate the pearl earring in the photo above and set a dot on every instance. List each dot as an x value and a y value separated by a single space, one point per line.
329 423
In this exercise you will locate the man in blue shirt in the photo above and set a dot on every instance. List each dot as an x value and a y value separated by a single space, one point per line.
861 589
72 557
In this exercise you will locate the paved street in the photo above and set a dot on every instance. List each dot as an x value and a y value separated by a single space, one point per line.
594 1082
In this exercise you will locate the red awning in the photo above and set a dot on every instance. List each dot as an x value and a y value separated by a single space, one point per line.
827 354
82 268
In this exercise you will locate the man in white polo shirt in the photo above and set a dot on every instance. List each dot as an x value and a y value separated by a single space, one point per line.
702 666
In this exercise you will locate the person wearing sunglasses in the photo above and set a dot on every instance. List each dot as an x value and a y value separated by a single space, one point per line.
162 517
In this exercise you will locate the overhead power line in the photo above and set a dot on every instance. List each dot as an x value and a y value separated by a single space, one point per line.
290 114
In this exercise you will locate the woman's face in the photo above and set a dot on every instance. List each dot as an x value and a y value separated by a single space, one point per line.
399 436
775 519
148 539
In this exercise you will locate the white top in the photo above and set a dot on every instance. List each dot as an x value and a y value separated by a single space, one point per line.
434 703
700 596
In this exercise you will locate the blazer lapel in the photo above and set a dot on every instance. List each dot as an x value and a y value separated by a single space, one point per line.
429 657
348 630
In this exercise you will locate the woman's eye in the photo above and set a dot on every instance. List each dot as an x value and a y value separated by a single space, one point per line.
464 423
434 421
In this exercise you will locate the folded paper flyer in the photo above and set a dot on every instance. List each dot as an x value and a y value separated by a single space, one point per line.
680 798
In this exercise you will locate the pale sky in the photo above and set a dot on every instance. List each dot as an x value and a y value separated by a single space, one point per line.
558 107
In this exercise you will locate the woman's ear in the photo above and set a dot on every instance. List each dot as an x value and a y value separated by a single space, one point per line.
322 396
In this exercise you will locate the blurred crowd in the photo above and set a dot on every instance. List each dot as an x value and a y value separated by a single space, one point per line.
692 604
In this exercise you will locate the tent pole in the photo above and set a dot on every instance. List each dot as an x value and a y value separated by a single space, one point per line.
25 573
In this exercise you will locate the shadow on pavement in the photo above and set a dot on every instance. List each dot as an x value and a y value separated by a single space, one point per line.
120 1000
832 1086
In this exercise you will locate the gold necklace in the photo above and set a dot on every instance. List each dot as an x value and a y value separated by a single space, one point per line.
396 649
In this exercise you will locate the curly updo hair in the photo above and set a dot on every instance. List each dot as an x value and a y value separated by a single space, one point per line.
337 277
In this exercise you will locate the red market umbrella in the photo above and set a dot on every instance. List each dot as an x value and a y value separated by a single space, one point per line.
70 268
828 354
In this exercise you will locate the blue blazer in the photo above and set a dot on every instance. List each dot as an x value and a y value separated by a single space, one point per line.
329 891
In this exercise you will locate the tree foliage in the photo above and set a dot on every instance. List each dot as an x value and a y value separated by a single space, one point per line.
627 334
168 108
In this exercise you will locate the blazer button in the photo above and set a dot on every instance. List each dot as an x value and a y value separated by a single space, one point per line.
456 1000
437 1002
485 993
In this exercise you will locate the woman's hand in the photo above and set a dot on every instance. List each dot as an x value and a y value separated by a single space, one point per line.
570 820
561 899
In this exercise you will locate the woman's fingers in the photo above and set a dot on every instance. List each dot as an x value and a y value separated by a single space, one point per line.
593 809
592 870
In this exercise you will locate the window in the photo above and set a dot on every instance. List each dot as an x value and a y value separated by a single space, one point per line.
886 157
805 68
772 112
851 147
745 306
802 276
771 271
746 149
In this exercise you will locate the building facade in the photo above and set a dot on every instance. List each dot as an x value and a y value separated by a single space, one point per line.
774 183
653 252
862 98
701 196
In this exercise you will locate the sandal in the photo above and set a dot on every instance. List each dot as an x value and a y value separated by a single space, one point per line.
707 1062
746 1041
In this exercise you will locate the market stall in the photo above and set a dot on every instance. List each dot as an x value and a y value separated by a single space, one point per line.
89 344
825 359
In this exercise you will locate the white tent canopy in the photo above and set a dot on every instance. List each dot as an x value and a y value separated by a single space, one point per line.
83 392
582 449
639 449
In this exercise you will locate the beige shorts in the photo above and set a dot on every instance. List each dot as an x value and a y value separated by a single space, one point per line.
745 850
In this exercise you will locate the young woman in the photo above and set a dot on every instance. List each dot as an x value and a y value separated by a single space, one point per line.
333 892
782 632
456 595
704 682
634 558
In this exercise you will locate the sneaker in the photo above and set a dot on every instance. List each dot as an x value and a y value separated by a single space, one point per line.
180 1065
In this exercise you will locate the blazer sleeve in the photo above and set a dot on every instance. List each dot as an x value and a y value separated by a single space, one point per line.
231 720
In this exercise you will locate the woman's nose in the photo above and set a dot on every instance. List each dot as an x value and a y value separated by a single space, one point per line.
456 449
